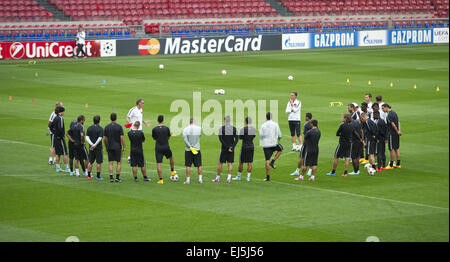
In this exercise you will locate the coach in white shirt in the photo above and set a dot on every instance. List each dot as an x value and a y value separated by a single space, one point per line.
293 108
81 37
136 114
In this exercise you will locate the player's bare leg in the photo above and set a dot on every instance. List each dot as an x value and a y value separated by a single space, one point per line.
230 171
219 171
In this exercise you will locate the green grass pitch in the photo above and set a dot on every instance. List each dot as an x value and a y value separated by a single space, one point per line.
410 204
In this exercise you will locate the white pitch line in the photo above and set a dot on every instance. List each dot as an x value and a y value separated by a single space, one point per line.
281 183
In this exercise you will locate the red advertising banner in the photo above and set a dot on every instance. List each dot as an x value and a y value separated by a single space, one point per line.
36 50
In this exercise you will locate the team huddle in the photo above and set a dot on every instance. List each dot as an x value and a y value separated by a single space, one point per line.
362 137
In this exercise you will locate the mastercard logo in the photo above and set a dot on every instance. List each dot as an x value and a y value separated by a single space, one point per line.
151 46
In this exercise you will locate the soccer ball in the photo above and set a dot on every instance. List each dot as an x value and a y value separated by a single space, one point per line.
174 178
224 72
367 167
161 66
372 171
222 92
216 91
298 148
290 77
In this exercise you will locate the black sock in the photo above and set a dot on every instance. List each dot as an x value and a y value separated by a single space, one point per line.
89 174
98 174
160 178
345 171
171 169
398 162
272 162
357 169
117 176
267 177
333 171
373 166
111 177
391 163
145 177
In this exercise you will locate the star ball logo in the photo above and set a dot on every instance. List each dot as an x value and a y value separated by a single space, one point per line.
151 46
17 50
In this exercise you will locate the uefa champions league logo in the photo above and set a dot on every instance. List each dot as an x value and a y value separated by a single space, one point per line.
238 110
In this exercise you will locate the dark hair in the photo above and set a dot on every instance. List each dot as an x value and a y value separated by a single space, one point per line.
375 105
248 120
309 115
351 105
364 104
295 93
386 105
61 109
57 109
139 100
347 118
137 124
314 122
160 118
379 98
80 118
369 95
191 120
113 117
268 116
96 119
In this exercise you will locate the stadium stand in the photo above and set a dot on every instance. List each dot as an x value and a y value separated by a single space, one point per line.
27 19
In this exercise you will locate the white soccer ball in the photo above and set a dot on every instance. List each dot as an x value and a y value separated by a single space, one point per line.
216 91
224 72
174 178
161 66
372 171
290 77
298 148
222 92
367 166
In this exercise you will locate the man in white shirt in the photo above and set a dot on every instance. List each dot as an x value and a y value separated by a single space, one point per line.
136 114
81 37
379 100
192 154
52 157
368 99
270 134
293 108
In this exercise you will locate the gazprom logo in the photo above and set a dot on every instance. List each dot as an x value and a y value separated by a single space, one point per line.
368 41
288 43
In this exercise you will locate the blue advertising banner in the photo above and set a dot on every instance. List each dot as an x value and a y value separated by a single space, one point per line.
334 39
410 36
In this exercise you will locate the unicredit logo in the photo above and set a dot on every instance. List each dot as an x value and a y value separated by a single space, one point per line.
17 50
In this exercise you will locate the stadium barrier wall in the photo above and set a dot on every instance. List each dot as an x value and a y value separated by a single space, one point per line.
365 38
227 44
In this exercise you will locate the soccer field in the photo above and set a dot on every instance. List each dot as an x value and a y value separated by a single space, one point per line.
408 204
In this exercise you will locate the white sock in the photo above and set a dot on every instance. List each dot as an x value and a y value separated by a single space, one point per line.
229 177
312 176
58 166
188 179
293 145
297 170
249 174
67 165
217 177
77 172
199 177
239 174
50 159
